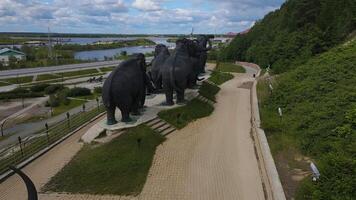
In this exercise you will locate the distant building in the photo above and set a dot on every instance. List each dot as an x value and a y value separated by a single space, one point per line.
6 53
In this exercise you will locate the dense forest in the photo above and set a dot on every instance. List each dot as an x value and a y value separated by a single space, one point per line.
294 33
318 100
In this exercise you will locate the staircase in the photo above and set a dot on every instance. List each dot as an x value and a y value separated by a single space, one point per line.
160 126
206 100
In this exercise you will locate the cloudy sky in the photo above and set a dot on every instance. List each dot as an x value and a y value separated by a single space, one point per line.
132 16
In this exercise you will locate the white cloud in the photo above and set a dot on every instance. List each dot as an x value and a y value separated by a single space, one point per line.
146 5
133 16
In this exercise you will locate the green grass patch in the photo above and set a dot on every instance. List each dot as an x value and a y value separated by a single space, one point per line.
64 108
79 73
119 167
230 67
107 69
220 77
44 77
18 80
182 116
209 91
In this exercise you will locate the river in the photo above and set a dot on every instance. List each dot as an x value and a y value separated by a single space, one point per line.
108 53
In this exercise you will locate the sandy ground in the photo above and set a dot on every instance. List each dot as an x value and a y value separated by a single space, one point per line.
212 158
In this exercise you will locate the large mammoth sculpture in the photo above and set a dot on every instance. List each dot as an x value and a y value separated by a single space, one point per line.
161 54
202 41
178 71
125 88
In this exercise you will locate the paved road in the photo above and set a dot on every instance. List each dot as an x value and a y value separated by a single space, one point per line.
42 70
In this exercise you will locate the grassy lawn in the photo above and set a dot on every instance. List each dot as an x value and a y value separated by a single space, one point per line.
119 167
44 77
3 84
64 108
182 116
220 77
230 67
18 80
107 69
209 91
79 73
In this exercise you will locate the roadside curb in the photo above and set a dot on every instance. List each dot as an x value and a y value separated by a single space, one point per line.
272 183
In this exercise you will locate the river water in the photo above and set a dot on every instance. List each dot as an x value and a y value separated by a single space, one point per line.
108 53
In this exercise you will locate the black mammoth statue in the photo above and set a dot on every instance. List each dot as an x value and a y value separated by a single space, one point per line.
160 56
178 72
125 88
202 50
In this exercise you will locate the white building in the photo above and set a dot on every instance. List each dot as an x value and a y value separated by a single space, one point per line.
6 53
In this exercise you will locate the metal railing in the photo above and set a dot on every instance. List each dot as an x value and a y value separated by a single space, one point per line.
25 148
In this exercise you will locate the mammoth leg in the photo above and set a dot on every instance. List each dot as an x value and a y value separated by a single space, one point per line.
168 90
136 104
180 93
125 113
111 115
125 109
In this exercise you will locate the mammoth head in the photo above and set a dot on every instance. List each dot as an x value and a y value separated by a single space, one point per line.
160 48
141 60
183 44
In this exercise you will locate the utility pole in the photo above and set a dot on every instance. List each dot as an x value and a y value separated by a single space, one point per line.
49 45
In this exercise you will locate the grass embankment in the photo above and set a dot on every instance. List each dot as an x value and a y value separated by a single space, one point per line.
219 78
85 72
318 100
119 167
230 67
182 116
107 69
73 103
209 91
17 80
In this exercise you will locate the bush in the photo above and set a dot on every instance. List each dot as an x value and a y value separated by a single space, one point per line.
53 89
53 101
19 93
98 90
39 87
75 92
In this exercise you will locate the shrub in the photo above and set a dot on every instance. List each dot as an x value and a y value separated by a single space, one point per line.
19 93
53 89
75 92
39 87
53 101
98 90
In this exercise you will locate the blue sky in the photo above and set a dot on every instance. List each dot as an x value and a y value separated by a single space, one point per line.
132 16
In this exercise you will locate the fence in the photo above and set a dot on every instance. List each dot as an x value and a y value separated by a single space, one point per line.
24 149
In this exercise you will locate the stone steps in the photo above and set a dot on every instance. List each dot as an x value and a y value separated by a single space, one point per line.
205 100
161 126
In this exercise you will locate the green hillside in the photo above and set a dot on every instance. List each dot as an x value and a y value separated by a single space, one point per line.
318 99
294 33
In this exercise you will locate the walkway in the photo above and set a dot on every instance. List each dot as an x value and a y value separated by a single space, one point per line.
212 158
